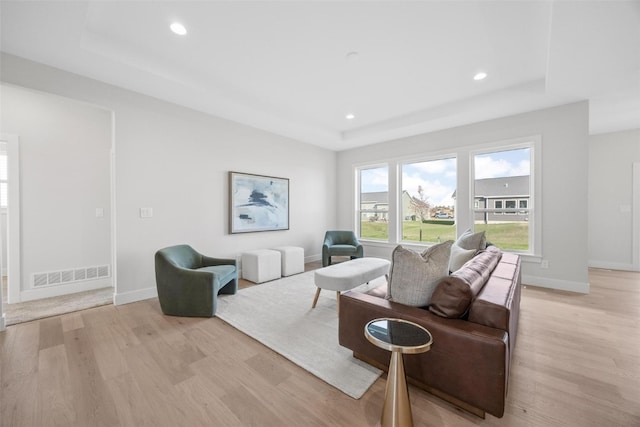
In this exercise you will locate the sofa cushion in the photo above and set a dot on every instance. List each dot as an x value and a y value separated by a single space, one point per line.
454 293
225 273
413 276
491 306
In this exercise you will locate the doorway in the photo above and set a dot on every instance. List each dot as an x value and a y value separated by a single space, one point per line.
65 220
636 216
9 222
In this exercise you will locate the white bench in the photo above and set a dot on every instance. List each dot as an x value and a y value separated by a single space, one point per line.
349 274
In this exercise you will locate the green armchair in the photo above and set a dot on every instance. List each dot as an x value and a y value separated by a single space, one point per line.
340 243
189 282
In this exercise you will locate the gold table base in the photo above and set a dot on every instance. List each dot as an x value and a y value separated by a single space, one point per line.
399 337
396 411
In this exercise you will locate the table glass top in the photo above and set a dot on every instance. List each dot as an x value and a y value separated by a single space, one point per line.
396 332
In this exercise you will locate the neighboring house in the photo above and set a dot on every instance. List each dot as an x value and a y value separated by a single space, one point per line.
408 207
374 206
509 193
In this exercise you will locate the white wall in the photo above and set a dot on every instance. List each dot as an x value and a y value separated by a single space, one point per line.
176 161
3 232
64 176
564 183
611 158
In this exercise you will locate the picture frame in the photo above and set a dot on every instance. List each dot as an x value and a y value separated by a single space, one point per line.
257 203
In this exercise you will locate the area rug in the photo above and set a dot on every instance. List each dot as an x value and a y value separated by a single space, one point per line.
54 306
279 315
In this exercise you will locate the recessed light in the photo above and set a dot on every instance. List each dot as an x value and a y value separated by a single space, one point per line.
350 116
480 76
178 28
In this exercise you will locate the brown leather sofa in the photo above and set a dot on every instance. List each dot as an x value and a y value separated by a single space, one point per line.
473 319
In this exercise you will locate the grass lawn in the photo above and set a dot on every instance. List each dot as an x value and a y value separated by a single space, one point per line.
507 236
430 232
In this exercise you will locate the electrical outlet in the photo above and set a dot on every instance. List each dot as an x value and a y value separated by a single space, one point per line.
544 263
146 212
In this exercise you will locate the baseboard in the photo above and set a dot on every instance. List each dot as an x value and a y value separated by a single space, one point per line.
608 265
313 258
55 291
134 296
561 285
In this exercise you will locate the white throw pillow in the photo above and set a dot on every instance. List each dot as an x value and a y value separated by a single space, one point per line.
413 277
459 256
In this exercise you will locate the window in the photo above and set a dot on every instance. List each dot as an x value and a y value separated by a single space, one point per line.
415 201
428 204
506 177
523 204
374 202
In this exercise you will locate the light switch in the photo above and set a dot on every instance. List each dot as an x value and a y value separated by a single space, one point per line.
146 212
625 208
99 212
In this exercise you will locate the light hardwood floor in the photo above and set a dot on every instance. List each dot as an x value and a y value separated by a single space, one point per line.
577 363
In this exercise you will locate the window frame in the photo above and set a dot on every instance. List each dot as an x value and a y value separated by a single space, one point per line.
510 211
400 163
533 143
358 199
464 217
521 210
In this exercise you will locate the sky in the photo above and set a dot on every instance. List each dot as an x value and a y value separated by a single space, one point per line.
438 177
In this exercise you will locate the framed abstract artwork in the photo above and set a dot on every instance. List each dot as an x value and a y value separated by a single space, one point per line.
257 203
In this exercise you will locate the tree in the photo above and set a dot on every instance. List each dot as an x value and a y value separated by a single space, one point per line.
420 205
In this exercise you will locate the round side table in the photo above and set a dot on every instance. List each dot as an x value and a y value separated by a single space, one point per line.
399 337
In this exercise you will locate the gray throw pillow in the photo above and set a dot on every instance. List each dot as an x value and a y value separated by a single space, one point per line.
459 257
469 240
413 277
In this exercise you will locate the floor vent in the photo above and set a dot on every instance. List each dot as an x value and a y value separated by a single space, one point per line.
70 276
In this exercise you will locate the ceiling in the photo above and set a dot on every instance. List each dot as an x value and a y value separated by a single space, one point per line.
298 68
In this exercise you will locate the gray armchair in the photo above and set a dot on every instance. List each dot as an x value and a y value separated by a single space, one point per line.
189 282
340 243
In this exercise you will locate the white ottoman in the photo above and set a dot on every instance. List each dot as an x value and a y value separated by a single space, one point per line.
292 258
261 265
